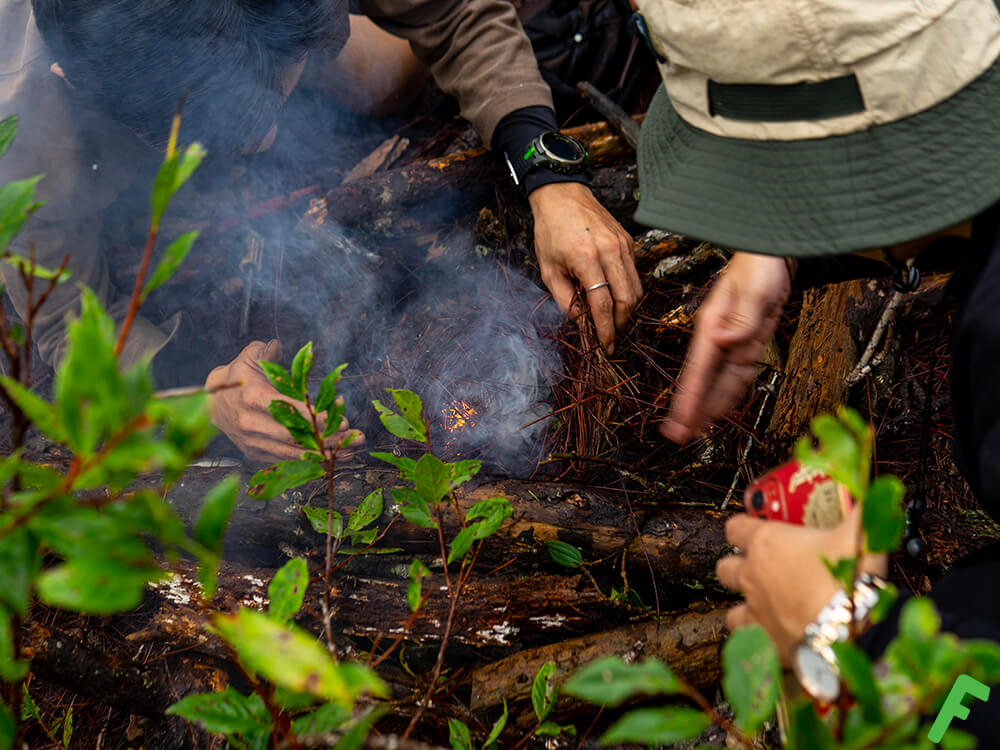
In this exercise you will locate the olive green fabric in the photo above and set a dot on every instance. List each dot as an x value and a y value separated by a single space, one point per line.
880 186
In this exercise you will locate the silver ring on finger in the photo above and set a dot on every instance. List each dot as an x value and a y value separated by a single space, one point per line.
598 285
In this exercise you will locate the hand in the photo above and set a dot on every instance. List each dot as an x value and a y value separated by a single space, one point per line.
579 244
732 328
242 412
782 576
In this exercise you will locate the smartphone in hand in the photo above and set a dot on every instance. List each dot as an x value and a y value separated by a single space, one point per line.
797 494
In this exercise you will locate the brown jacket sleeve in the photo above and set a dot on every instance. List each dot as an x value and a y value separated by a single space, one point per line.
475 49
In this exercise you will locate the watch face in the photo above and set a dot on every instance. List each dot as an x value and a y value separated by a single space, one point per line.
562 148
817 676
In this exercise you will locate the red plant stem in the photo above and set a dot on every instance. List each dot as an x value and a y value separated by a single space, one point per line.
140 280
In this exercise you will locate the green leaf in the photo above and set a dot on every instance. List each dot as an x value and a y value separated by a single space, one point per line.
418 571
8 129
287 590
328 390
886 601
658 726
956 739
432 478
493 512
216 508
399 425
544 693
319 519
843 571
413 507
752 676
806 731
96 586
610 682
292 658
11 669
281 380
19 564
463 471
919 620
856 672
458 735
176 252
302 365
404 464
498 728
327 718
17 203
368 512
548 729
284 475
8 727
564 554
355 737
67 727
226 712
38 410
462 542
297 425
410 407
173 173
26 266
882 515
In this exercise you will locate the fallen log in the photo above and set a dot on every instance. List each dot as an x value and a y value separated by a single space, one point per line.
381 201
689 643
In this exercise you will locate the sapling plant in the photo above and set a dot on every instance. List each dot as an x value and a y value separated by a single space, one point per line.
886 705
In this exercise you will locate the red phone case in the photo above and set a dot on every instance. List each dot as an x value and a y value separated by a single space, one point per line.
797 494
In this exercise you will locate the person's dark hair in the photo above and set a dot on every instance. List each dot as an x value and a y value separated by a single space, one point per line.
134 59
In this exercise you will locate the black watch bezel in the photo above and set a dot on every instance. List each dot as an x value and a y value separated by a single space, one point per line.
539 153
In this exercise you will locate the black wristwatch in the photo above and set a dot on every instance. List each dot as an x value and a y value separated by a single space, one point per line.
551 150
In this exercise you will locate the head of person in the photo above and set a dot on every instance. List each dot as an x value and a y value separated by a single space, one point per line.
812 127
234 61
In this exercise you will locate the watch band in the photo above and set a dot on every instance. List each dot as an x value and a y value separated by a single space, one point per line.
536 155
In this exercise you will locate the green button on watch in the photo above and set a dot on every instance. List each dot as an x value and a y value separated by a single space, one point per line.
551 150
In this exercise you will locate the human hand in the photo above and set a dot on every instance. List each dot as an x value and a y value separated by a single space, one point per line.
731 330
578 243
242 412
782 576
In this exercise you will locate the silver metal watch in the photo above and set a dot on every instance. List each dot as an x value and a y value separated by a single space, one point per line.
814 661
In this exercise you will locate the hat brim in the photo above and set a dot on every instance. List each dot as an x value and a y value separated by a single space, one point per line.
888 184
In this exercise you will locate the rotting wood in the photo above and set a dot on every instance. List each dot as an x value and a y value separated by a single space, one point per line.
689 643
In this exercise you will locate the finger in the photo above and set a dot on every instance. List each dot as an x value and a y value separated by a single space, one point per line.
727 570
743 320
602 312
697 377
272 353
741 530
739 616
563 291
730 386
621 288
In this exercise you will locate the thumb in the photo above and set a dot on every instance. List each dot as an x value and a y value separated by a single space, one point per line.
272 351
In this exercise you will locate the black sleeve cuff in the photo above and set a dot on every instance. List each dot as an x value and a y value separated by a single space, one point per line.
516 130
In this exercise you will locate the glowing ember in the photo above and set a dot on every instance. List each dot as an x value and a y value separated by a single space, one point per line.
458 416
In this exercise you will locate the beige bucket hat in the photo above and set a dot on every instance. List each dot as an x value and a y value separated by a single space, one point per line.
809 127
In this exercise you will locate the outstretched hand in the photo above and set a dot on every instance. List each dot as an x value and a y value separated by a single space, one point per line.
579 244
732 329
242 412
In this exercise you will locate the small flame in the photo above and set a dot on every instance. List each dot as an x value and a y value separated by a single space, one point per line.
458 416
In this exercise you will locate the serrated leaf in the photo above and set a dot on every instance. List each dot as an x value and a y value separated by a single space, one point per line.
284 475
543 691
658 726
368 512
458 735
882 515
418 571
564 554
302 365
17 203
610 682
462 542
8 129
319 519
498 727
856 672
281 380
404 464
413 507
752 676
292 658
432 479
287 590
297 425
225 712
175 254
328 390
